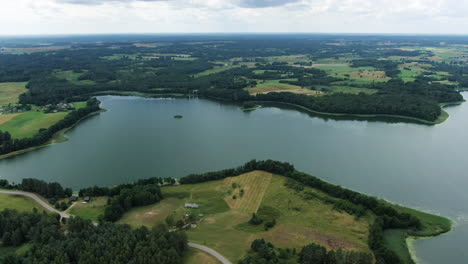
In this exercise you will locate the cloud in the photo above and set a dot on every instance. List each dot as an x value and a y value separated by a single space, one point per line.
264 3
99 2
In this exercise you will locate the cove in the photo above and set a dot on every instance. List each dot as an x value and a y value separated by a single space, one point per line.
424 167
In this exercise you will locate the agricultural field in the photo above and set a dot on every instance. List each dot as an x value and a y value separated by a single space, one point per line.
10 92
277 86
91 210
227 205
27 124
18 202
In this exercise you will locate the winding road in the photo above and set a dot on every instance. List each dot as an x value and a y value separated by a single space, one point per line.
49 208
211 252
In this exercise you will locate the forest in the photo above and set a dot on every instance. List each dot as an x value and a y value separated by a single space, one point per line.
83 242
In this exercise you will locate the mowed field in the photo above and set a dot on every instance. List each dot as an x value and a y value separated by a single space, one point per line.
195 256
276 86
224 225
90 211
10 92
27 124
18 202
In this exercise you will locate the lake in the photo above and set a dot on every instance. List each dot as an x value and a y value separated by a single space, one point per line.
424 167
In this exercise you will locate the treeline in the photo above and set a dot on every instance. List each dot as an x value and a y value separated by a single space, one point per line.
83 242
265 252
374 104
48 190
125 196
387 216
44 135
389 67
131 197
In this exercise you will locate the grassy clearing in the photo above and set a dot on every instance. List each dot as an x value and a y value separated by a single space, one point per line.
73 77
395 240
17 202
10 92
27 124
276 86
91 210
224 225
351 90
195 256
216 69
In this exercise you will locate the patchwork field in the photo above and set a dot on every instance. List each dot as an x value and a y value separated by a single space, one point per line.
10 92
276 86
226 212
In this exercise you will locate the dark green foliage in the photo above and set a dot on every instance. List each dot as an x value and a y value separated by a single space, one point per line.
105 243
255 220
138 195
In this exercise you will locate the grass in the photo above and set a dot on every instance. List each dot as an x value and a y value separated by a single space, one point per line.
195 256
216 69
224 225
277 86
351 90
73 77
10 92
91 210
395 240
18 202
27 124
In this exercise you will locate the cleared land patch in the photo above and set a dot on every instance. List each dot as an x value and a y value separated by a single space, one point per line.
224 222
91 210
277 86
10 92
18 202
27 124
195 256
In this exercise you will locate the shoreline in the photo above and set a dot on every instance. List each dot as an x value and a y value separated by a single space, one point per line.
58 137
405 119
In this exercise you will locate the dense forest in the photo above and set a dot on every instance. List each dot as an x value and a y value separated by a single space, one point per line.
83 242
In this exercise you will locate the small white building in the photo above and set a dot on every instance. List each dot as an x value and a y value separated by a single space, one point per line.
191 205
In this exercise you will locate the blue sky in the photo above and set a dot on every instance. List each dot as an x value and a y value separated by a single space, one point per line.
180 16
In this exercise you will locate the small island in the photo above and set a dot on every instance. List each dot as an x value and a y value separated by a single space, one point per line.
250 106
178 117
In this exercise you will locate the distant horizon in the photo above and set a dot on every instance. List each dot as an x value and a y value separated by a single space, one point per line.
71 17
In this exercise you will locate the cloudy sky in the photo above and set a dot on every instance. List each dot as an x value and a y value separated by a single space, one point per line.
181 16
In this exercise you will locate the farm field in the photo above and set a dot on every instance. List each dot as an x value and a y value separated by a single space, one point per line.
72 77
224 225
27 124
10 92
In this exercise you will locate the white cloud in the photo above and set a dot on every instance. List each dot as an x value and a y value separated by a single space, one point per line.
138 16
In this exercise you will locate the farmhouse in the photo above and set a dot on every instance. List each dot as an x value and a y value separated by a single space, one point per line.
191 205
73 198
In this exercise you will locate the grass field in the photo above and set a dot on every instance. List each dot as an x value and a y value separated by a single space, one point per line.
276 86
9 92
27 124
73 77
224 225
17 202
216 69
195 256
91 210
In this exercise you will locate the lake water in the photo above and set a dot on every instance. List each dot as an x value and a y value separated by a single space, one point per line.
420 166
